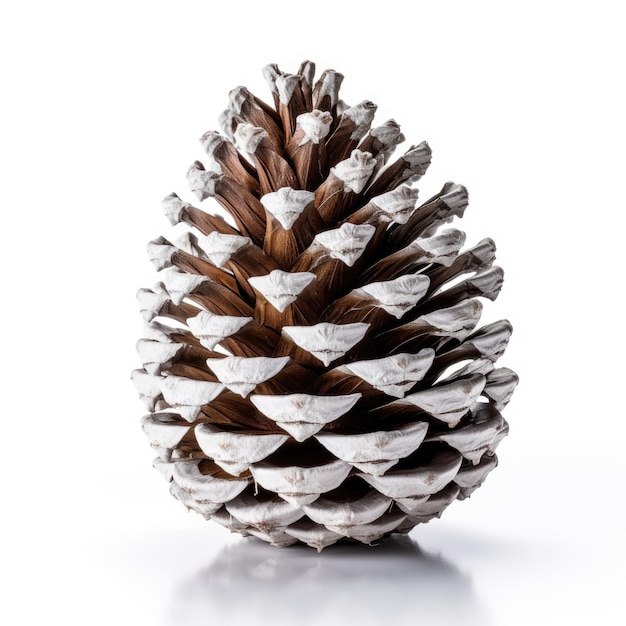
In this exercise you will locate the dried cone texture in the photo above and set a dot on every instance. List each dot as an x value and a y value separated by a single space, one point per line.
312 364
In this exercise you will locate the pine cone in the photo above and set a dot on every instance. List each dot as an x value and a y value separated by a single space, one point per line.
311 362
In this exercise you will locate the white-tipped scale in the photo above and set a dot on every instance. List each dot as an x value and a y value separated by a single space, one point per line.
188 243
164 454
500 386
210 328
270 74
420 481
187 396
484 253
160 252
425 508
165 468
285 86
362 116
210 142
188 412
300 485
302 415
281 288
173 207
180 284
219 247
368 533
148 387
248 137
242 374
287 204
441 248
278 539
325 341
339 515
307 71
227 520
156 355
492 342
234 452
455 197
329 86
158 332
457 321
315 126
448 402
202 182
268 517
397 204
393 375
474 440
389 135
226 121
473 476
411 504
418 159
200 505
314 535
376 452
151 301
478 366
346 243
236 99
355 171
488 282
164 429
204 487
181 390
300 431
397 296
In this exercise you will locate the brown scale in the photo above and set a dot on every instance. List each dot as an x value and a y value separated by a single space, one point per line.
296 105
400 171
205 222
423 218
208 468
230 161
193 265
308 159
284 246
256 112
346 137
380 150
244 206
249 260
325 93
236 414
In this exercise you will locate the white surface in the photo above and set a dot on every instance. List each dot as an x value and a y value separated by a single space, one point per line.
103 105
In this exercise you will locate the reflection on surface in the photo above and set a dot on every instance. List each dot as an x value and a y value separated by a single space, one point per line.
252 583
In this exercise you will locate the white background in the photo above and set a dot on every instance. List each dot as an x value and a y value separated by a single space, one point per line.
102 105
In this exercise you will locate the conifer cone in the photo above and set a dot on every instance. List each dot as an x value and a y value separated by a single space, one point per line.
311 361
